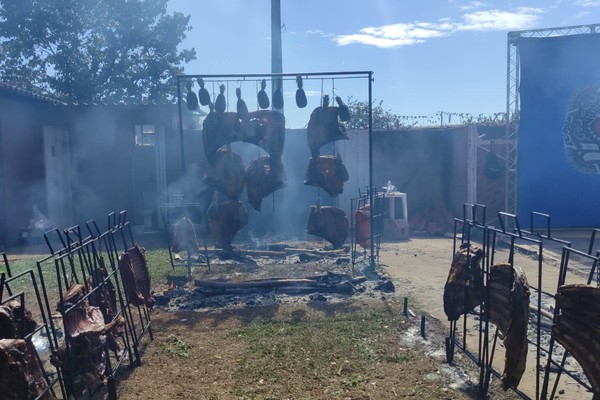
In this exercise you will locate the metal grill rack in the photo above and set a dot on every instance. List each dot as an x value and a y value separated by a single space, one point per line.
91 260
473 336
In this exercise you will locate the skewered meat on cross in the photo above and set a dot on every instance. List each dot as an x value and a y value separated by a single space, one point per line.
263 177
21 375
86 331
463 290
330 223
225 220
328 173
324 127
218 130
16 322
184 236
508 309
266 129
227 174
135 276
577 328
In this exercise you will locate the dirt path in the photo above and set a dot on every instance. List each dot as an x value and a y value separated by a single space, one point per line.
419 268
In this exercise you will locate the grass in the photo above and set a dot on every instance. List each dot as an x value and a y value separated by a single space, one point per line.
176 347
337 353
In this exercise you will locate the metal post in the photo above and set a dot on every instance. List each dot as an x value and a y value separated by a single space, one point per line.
182 147
371 188
276 52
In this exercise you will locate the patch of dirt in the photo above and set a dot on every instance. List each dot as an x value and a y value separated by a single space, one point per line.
211 368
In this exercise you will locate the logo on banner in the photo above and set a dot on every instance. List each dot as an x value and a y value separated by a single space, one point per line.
581 132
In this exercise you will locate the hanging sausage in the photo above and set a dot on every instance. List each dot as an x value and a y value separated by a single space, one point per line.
301 101
191 99
242 109
220 103
203 94
278 96
343 109
262 97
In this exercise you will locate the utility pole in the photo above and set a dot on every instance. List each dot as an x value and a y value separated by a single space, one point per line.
276 57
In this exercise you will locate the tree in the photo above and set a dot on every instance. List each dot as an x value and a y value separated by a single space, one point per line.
382 119
88 51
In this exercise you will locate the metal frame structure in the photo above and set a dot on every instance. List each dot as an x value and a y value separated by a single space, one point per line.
91 260
512 99
368 75
509 235
376 215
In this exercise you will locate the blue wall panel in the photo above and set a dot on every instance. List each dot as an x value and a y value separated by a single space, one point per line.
560 95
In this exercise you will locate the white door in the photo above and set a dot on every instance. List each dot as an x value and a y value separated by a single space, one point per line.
57 159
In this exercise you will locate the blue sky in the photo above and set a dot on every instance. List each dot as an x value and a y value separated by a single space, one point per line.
427 56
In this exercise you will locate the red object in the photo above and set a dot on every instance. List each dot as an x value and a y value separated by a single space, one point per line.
363 226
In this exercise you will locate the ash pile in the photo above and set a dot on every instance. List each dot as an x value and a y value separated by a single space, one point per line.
282 274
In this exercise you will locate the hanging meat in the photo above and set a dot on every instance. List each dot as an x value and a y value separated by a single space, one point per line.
218 130
135 277
266 129
324 127
278 96
225 220
330 223
16 322
227 174
463 290
241 107
85 358
577 328
328 173
262 97
21 374
508 309
220 103
344 111
191 99
263 177
300 95
184 236
203 95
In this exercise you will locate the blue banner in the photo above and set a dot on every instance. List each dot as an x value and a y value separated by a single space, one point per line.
559 131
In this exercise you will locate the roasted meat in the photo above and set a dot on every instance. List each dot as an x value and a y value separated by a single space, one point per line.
184 236
577 328
21 375
218 130
328 173
330 223
225 220
463 290
508 309
324 127
140 271
227 174
16 322
266 129
263 177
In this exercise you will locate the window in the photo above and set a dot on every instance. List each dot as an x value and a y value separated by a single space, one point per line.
145 135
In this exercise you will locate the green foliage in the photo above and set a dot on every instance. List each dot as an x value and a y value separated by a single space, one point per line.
383 119
87 51
176 347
